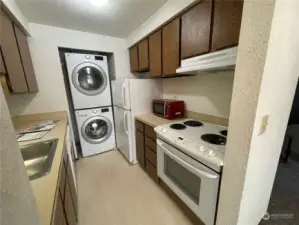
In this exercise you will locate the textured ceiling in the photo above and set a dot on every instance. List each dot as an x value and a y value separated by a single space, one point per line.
116 18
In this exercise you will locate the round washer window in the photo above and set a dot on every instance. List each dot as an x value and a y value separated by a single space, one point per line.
89 79
96 129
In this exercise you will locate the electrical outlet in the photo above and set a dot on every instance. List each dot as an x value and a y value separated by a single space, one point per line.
264 125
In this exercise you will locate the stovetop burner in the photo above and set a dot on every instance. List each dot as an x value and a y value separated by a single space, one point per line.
223 132
193 123
214 139
178 126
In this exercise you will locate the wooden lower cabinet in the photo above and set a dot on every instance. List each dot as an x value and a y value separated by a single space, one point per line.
140 148
65 206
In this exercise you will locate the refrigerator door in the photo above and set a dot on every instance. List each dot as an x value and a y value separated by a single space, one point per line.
121 94
123 131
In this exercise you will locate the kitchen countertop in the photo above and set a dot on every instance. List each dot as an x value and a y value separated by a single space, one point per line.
44 188
153 120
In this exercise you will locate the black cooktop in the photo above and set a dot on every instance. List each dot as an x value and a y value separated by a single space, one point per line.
178 126
193 123
214 139
223 132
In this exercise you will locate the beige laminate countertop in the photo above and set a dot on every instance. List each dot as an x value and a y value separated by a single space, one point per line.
153 120
44 188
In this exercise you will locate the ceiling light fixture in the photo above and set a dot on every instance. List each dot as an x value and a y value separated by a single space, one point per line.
98 2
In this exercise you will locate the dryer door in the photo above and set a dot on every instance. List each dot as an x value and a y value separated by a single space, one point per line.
96 129
89 79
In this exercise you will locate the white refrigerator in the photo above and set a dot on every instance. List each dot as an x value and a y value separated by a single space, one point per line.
132 97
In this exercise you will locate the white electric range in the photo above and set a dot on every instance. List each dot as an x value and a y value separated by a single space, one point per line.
190 159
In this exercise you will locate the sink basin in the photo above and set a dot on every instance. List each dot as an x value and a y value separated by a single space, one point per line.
38 158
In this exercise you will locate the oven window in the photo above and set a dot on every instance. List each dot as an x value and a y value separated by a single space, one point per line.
182 178
159 108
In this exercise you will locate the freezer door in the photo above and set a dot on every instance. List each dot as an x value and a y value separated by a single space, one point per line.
123 132
121 94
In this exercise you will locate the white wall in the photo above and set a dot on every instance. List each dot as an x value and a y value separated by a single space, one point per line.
14 9
276 97
44 45
168 10
208 93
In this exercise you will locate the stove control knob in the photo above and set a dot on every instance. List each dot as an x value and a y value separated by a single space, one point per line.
202 149
164 130
160 129
212 153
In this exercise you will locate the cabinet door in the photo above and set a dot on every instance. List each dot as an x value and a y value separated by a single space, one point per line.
71 182
227 23
68 206
143 55
134 58
140 148
196 27
12 57
2 66
58 214
171 47
26 59
155 54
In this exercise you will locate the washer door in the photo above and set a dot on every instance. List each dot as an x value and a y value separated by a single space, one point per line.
96 129
89 79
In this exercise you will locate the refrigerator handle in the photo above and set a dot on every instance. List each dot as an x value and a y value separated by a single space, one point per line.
125 123
123 92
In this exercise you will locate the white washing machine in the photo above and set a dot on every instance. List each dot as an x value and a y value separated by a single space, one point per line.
89 80
96 130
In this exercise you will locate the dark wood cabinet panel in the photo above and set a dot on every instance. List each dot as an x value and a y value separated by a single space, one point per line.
196 28
71 182
62 181
152 171
151 156
134 59
12 57
226 23
140 148
171 47
151 144
58 213
26 59
155 54
143 55
68 205
2 66
139 126
150 132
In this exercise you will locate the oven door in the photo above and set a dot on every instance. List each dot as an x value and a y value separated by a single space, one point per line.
194 183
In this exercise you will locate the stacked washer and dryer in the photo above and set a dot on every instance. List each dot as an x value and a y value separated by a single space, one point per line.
91 94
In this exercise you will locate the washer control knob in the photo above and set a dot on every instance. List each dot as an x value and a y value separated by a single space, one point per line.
87 57
212 153
94 111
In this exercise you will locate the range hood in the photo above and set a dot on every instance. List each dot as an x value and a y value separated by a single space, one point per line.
220 60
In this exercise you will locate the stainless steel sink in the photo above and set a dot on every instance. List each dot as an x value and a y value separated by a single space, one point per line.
38 158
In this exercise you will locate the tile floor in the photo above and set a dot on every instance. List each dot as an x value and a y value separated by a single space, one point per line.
112 192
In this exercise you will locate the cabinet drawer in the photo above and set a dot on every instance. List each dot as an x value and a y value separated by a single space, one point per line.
152 171
69 207
151 144
62 181
151 156
58 215
139 126
71 182
149 131
140 148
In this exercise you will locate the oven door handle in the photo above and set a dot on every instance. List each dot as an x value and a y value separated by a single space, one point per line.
182 162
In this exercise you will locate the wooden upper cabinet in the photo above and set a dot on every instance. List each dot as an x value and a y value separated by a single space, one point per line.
26 59
155 54
134 59
196 28
143 57
227 23
12 57
171 47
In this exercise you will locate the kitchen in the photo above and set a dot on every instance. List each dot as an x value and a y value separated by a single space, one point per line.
209 105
